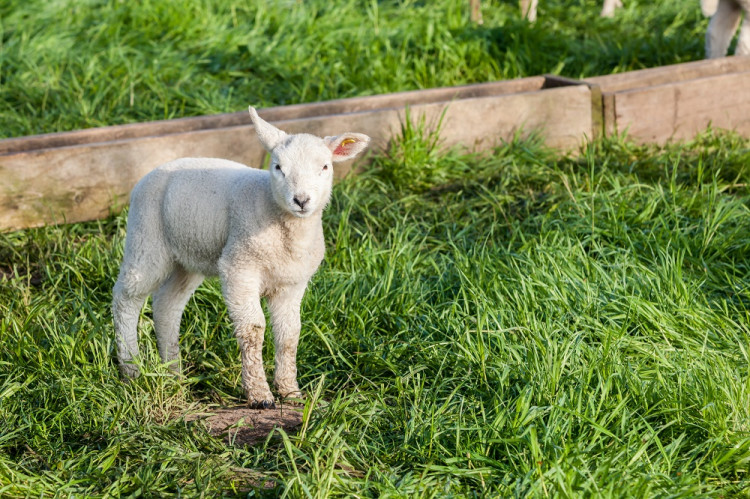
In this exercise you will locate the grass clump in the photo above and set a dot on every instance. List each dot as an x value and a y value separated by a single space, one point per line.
67 64
514 323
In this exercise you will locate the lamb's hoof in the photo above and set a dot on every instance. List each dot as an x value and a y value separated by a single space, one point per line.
129 371
175 369
262 404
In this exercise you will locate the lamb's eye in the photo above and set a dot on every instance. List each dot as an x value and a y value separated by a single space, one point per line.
325 167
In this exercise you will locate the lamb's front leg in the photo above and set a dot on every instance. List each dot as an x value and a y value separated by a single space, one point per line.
284 306
242 294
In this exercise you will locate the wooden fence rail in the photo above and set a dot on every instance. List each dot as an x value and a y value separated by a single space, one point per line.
82 175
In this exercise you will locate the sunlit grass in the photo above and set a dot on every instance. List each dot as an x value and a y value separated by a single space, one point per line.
513 323
69 64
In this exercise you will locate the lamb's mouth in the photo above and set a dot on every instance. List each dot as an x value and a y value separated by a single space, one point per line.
301 212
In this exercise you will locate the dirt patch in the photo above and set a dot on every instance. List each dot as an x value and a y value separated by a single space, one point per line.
34 277
241 426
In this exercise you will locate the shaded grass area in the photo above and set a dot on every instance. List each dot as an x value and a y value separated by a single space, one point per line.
508 324
69 64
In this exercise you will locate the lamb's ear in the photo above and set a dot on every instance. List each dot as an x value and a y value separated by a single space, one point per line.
347 145
269 135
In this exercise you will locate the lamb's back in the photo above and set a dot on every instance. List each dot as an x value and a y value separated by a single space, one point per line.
195 207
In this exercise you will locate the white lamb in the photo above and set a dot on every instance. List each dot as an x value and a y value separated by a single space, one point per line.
725 17
260 231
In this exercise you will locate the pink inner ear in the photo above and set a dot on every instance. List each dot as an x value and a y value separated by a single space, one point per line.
343 148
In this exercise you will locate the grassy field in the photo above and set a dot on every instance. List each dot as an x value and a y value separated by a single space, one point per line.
508 324
72 64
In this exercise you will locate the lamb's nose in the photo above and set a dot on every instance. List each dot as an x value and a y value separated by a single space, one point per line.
301 201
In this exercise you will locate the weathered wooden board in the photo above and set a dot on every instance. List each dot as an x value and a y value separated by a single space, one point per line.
670 74
680 110
82 175
326 108
84 181
676 102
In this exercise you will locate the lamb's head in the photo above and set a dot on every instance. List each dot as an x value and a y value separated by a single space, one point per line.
302 165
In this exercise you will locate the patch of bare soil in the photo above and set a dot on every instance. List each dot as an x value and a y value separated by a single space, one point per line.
34 277
242 426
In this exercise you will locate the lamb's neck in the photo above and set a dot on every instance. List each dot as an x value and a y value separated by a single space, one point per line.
302 227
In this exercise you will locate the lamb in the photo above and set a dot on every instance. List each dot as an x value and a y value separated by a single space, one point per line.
725 17
259 231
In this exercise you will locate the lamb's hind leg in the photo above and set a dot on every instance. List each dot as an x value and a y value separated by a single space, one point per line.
168 304
126 309
130 292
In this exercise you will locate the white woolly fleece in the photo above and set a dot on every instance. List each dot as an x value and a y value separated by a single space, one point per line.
259 231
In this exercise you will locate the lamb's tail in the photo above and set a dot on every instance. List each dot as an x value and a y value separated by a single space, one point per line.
709 7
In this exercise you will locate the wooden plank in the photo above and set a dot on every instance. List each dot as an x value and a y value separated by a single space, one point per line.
680 110
84 181
609 119
670 74
597 110
339 106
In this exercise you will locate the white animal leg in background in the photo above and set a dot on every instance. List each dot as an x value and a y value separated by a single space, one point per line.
708 7
168 304
743 40
528 9
284 306
721 28
609 7
242 295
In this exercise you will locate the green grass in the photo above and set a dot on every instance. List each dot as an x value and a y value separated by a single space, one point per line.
515 323
72 64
